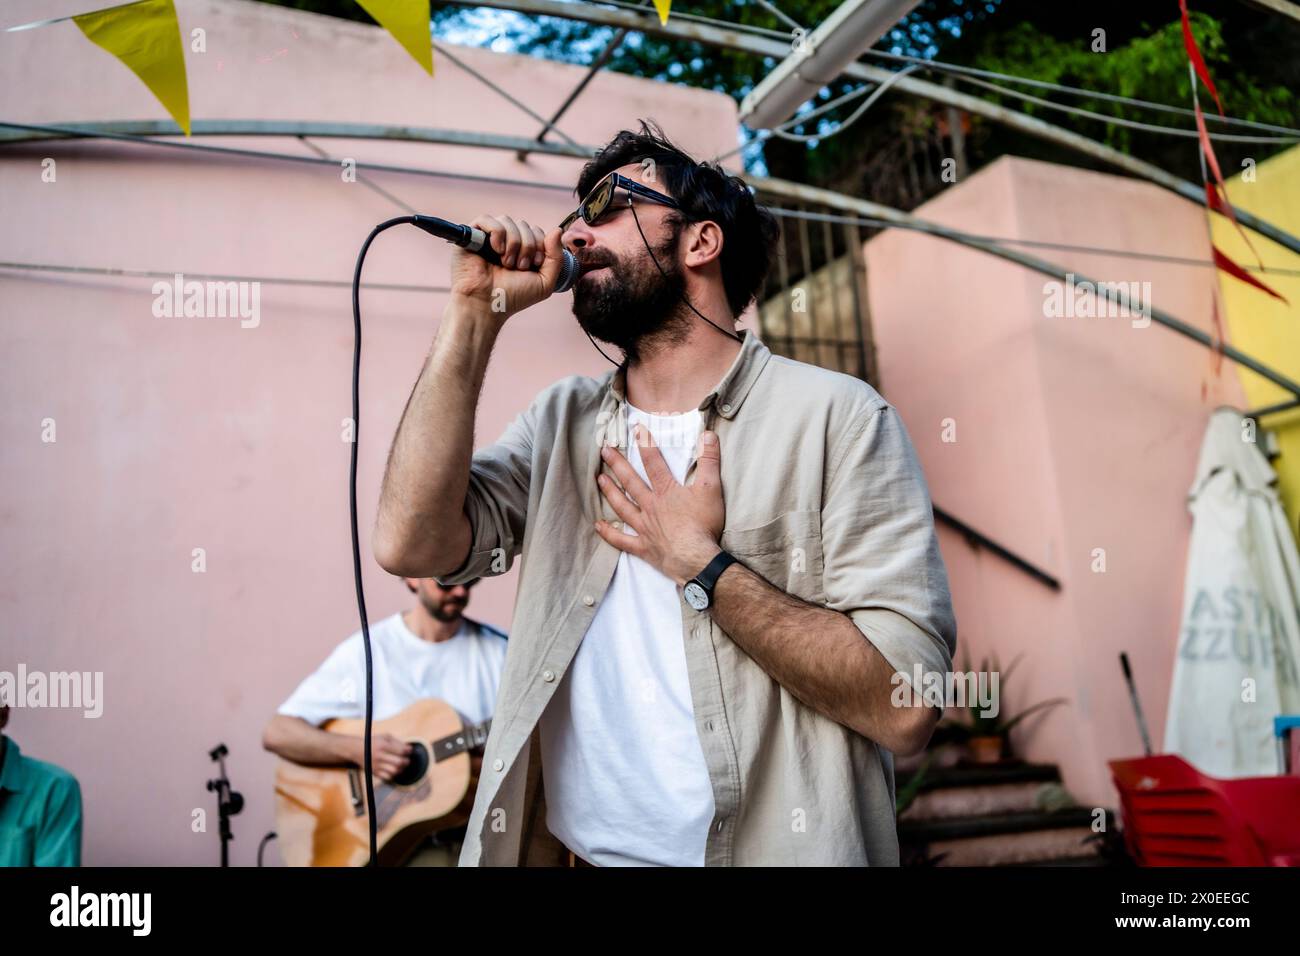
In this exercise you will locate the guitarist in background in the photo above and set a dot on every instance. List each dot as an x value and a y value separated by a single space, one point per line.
432 650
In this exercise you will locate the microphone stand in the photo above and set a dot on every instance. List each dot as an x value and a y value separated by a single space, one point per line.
229 802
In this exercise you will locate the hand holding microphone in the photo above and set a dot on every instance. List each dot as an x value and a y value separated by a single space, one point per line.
502 267
517 266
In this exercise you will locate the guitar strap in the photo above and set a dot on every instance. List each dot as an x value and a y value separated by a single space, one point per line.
484 628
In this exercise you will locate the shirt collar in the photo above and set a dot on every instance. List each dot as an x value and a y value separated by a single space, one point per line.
12 777
461 629
735 385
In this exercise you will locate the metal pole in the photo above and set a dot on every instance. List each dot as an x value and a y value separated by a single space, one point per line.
867 369
800 193
797 192
614 43
780 49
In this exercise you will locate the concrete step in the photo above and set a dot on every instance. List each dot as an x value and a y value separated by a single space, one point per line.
1013 832
977 801
956 828
1092 859
1062 847
965 775
980 790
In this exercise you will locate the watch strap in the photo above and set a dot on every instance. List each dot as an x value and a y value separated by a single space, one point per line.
709 576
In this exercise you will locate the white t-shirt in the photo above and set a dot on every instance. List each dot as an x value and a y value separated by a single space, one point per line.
464 671
624 771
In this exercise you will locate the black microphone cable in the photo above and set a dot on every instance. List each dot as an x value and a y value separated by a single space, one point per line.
423 222
367 763
453 233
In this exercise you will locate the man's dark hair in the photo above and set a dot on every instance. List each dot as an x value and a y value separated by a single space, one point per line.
706 192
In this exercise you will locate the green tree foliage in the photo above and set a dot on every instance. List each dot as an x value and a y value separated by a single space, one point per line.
894 154
1253 57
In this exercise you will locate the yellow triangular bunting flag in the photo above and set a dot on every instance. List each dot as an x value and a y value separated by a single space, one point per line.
663 6
408 22
146 37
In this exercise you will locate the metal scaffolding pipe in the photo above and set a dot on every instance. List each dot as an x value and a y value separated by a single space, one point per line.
773 187
748 43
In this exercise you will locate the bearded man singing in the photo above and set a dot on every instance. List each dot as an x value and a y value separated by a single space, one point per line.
730 575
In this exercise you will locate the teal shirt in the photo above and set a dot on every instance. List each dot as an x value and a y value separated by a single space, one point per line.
40 812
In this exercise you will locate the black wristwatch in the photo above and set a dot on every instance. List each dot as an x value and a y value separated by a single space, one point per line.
698 591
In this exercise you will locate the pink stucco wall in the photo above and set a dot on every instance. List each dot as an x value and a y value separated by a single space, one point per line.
175 434
1072 434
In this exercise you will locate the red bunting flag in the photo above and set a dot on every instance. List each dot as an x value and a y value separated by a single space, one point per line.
1237 272
1216 192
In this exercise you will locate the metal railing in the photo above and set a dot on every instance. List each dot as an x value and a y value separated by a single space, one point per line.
814 306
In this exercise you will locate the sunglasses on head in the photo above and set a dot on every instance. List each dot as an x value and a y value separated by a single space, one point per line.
600 199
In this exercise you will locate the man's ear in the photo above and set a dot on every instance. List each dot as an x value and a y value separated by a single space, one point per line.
703 243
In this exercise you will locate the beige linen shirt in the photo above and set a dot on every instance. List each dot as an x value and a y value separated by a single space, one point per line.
824 498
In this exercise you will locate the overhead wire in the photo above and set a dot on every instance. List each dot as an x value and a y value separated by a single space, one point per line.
945 67
500 180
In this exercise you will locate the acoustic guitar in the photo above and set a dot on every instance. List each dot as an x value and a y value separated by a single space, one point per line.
320 812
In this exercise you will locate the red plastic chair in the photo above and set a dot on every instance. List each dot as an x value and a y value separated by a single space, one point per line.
1174 815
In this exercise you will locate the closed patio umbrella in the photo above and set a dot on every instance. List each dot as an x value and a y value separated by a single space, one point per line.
1239 642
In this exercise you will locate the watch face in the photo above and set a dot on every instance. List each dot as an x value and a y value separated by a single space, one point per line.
696 596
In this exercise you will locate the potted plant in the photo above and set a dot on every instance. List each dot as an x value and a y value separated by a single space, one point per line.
986 736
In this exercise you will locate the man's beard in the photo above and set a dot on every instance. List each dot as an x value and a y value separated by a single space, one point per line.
445 611
631 303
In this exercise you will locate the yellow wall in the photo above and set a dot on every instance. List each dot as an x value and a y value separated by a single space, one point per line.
1258 324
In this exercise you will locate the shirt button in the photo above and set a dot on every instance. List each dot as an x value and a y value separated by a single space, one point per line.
726 408
588 600
498 765
718 827
708 725
548 676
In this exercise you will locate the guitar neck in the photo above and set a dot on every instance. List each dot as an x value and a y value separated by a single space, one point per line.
468 738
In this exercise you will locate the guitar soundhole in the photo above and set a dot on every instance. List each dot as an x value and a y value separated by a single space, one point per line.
416 768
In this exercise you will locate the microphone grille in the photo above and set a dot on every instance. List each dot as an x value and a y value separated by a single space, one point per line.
569 271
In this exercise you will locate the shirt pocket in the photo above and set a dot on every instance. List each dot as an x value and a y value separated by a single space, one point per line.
17 846
786 551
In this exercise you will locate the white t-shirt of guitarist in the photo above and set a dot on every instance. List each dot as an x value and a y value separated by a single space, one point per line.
464 671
